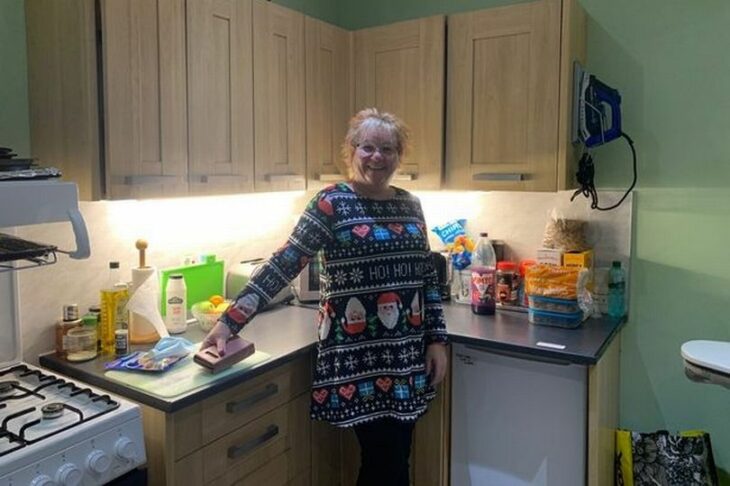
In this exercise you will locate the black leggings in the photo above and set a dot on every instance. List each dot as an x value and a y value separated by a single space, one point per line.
385 446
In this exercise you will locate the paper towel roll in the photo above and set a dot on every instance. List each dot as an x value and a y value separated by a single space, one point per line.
145 322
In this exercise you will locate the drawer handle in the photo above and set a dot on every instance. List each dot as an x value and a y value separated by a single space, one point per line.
234 452
241 405
497 176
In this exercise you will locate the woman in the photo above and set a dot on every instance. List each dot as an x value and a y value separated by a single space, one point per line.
381 327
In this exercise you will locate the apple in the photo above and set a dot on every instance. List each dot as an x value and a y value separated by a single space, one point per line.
206 307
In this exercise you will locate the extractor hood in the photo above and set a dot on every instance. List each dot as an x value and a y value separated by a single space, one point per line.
36 202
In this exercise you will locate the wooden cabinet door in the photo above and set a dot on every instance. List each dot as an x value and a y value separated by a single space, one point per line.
399 68
502 102
329 100
279 116
145 113
220 96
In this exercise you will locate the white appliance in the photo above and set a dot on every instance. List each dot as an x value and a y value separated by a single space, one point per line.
54 431
707 361
517 420
239 275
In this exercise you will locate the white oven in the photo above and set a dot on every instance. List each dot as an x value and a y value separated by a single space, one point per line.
54 430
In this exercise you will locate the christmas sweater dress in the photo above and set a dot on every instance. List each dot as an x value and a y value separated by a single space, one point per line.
379 308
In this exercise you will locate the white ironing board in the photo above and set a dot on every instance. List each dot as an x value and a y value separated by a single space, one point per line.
707 361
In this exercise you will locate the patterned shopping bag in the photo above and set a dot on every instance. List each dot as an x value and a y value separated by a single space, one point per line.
664 459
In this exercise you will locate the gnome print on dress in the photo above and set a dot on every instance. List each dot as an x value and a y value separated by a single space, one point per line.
389 309
325 320
354 321
414 313
242 310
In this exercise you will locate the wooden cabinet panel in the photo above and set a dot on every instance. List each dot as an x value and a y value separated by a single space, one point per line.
237 406
279 98
220 96
144 97
62 88
502 102
399 68
329 100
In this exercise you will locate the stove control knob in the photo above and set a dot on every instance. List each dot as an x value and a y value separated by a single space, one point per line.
126 449
42 480
69 475
98 462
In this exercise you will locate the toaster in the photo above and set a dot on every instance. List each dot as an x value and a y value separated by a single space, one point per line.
240 274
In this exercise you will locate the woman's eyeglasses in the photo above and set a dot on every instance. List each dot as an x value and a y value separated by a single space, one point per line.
369 150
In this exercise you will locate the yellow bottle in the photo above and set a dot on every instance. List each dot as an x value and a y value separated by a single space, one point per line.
114 297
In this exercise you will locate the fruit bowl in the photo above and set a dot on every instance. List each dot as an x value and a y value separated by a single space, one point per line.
207 313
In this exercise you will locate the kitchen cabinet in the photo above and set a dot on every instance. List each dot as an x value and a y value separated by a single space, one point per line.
329 100
220 96
279 94
253 433
145 123
509 96
399 68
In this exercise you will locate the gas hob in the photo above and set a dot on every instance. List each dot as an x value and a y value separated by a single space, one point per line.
54 431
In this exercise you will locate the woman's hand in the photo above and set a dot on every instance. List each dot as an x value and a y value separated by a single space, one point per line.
436 362
217 337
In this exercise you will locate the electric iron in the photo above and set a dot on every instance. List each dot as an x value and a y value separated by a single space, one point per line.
596 121
596 109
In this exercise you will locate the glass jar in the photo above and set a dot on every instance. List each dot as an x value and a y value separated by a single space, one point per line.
507 282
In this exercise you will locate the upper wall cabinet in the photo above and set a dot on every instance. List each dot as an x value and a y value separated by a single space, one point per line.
329 100
144 98
509 93
220 96
399 68
279 97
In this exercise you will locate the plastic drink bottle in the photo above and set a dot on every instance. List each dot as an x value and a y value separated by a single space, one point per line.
616 291
483 269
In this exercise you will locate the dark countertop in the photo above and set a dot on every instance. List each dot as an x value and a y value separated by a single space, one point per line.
287 332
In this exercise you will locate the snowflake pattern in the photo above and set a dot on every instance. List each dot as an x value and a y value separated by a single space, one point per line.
351 362
356 275
387 357
343 209
340 277
369 359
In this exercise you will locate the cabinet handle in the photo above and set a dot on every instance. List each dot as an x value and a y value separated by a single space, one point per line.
518 355
404 176
136 180
234 452
330 177
498 176
270 390
214 178
284 178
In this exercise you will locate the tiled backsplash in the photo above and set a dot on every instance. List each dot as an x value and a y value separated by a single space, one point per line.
235 228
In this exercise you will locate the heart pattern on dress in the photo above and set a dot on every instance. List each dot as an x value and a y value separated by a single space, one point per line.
361 230
384 383
396 227
320 395
347 391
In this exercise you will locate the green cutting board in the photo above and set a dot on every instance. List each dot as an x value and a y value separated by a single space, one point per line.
202 280
183 377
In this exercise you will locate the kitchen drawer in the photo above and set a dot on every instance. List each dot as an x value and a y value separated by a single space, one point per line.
235 407
281 436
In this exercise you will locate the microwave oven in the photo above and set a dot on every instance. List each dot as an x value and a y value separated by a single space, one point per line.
308 282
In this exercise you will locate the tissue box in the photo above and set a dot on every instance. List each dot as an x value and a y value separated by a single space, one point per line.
581 259
550 256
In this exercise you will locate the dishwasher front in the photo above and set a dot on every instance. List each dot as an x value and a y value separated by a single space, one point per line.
517 420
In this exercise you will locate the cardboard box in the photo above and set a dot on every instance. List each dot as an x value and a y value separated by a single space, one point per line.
550 256
581 259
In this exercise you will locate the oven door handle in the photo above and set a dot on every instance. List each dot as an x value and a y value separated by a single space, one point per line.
270 390
234 452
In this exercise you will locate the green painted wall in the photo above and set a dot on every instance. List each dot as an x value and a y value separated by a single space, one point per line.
669 60
321 9
14 125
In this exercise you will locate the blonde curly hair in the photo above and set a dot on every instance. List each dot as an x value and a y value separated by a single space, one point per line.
372 118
